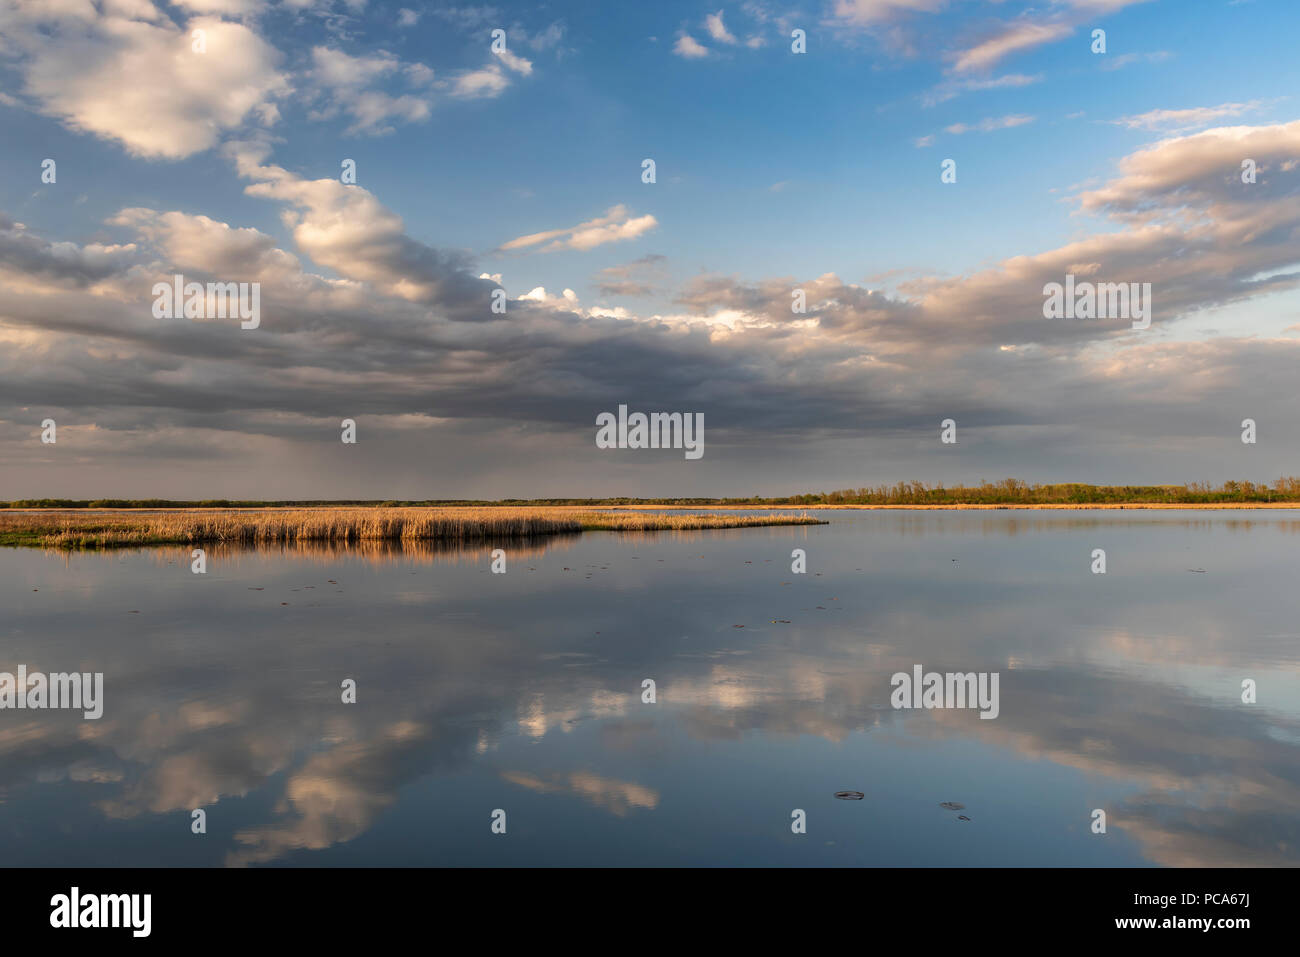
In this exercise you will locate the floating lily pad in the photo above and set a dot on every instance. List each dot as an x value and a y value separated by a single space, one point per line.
849 795
952 806
962 817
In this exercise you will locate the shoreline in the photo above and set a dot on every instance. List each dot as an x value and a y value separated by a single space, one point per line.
956 508
1058 506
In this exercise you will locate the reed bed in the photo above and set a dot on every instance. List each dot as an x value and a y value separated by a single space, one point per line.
343 526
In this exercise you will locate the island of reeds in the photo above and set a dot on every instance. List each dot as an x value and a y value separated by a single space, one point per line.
98 526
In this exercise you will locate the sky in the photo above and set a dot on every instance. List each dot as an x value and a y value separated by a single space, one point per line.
508 168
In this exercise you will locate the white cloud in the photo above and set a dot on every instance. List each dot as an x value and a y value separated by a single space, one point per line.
347 229
227 8
346 80
480 84
337 69
1018 36
872 11
1024 34
686 46
516 63
617 224
717 29
209 246
142 84
1184 120
990 124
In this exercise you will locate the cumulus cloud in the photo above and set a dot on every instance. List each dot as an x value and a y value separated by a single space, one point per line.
197 242
346 228
689 48
130 75
25 257
404 330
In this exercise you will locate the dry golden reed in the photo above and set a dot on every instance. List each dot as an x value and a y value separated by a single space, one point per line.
343 526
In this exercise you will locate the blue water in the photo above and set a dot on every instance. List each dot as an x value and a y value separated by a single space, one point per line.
522 692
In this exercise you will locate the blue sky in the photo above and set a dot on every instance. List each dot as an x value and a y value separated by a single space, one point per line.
774 170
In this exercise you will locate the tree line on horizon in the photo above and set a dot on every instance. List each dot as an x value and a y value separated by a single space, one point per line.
1006 492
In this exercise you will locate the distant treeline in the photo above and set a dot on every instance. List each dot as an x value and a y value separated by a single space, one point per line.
1015 492
1007 492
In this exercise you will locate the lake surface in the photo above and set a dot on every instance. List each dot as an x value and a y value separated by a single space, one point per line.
522 692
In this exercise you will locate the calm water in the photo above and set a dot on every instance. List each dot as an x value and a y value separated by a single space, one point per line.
522 692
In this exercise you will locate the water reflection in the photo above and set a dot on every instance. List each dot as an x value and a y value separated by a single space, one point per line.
523 691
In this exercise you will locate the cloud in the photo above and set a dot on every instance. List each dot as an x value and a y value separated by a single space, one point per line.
547 39
617 224
636 278
1181 121
337 69
990 124
227 8
904 26
616 797
1027 33
345 228
952 88
23 254
480 84
516 63
140 83
197 242
687 47
1011 39
717 29
1124 59
345 83
1203 171
874 11
404 330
